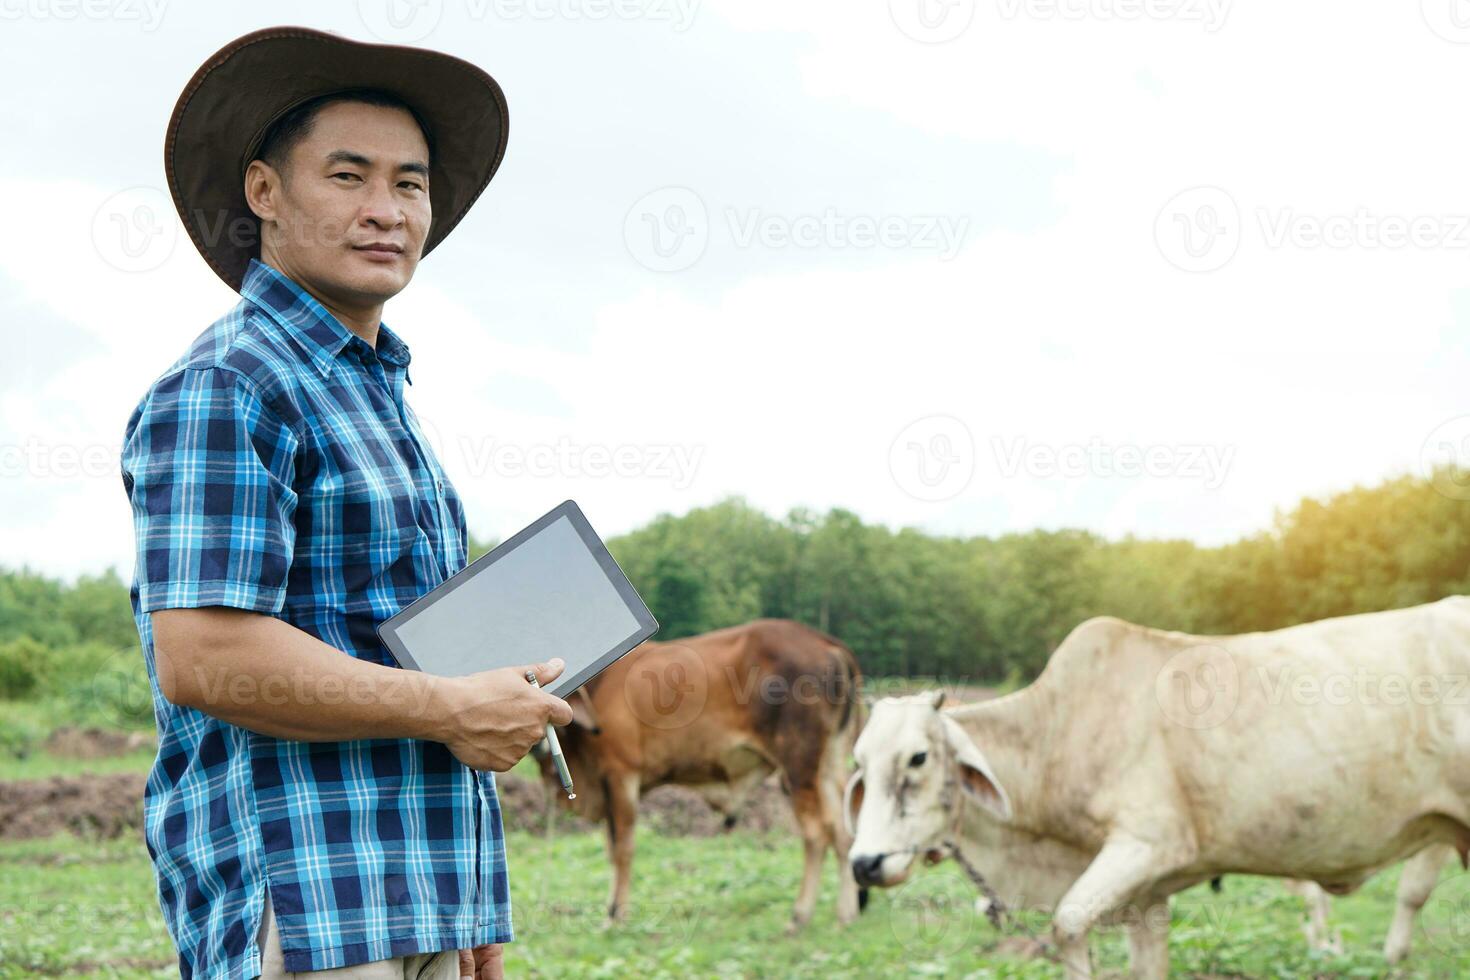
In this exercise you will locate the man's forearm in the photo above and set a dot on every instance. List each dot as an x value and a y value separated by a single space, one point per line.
264 674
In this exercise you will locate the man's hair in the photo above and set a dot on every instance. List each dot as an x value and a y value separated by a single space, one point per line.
295 126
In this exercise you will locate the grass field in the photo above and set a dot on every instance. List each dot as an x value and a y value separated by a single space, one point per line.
708 907
717 907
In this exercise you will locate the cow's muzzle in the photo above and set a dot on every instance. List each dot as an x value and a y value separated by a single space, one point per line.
868 869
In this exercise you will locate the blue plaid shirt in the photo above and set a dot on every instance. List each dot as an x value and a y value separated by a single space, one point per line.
276 467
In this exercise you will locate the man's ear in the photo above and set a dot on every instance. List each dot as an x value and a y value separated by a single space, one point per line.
976 777
582 713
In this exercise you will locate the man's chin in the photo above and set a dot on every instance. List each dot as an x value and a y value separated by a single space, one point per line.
372 281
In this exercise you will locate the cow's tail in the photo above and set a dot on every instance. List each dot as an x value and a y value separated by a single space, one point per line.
854 711
849 723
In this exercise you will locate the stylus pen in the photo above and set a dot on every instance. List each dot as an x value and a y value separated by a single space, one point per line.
556 756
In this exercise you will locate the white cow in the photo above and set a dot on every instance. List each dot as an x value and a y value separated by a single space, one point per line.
1142 762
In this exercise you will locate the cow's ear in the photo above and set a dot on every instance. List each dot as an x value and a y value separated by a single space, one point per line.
582 713
936 699
977 779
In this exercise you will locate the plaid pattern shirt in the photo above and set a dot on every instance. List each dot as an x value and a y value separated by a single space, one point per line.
276 467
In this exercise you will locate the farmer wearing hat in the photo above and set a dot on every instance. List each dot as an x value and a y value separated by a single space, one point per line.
313 807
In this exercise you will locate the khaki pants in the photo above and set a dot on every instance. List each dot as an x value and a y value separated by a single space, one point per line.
443 965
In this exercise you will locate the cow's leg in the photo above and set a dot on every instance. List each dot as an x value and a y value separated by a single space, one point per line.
1319 904
1416 881
622 816
1122 868
1148 940
807 802
833 781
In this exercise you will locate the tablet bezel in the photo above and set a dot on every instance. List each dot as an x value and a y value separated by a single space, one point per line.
567 683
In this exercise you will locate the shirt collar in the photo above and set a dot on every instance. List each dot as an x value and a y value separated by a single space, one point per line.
319 334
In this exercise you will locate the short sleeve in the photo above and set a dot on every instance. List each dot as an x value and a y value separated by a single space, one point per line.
209 471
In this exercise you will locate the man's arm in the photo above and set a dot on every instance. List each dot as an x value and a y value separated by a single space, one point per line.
260 673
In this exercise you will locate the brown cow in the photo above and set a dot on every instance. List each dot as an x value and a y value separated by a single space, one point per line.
719 712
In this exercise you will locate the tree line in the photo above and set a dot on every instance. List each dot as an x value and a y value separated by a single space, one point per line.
988 609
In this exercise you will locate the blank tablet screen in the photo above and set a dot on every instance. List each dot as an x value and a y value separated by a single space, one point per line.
548 596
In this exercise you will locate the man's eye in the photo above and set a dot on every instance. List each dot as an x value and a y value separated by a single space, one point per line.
409 183
918 759
346 174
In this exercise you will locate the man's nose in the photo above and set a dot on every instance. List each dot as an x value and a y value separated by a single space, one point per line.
866 868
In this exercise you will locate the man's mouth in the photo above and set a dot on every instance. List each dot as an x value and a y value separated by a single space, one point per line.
380 251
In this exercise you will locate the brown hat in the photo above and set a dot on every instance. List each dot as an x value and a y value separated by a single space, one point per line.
232 100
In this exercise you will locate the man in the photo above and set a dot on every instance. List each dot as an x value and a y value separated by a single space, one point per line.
313 807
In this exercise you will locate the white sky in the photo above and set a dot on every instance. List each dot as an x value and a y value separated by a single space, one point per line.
1231 240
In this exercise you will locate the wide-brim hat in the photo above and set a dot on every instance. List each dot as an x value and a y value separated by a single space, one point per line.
224 112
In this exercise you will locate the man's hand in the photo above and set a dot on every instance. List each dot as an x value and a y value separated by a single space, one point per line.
490 720
482 963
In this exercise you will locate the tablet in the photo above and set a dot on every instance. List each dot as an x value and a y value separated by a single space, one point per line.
550 590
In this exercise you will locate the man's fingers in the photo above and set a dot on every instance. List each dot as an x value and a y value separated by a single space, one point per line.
490 962
561 712
549 671
466 964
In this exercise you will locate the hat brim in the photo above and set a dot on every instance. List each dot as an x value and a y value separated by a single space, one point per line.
235 96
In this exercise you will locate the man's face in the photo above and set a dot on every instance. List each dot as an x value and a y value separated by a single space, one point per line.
351 211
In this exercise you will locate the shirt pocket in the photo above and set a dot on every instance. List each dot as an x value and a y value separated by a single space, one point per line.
365 515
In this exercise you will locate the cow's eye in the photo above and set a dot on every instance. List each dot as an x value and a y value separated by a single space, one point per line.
918 759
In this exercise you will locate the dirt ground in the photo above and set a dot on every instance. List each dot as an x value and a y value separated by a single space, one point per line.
112 805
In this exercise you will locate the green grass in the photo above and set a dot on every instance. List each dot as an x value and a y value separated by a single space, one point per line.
717 908
39 765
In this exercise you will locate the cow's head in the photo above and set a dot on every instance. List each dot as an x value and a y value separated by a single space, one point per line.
579 743
916 767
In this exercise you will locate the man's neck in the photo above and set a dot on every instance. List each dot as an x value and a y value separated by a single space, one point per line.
362 321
